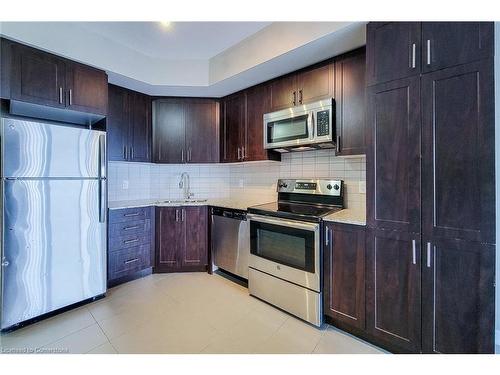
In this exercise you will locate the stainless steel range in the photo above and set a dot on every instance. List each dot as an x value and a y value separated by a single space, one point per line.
285 251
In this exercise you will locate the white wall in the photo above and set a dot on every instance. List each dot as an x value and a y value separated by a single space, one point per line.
256 181
497 174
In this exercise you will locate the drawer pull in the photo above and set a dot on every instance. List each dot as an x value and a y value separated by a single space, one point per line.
132 227
131 241
133 214
131 261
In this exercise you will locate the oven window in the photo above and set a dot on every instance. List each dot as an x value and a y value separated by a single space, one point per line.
284 245
287 130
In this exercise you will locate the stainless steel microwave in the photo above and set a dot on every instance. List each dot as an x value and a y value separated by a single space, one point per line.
304 127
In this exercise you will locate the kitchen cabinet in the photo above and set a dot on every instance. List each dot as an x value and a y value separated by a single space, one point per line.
393 160
42 78
446 44
344 274
350 103
392 51
234 127
5 67
457 281
130 244
128 125
181 239
393 293
258 103
458 152
186 130
306 86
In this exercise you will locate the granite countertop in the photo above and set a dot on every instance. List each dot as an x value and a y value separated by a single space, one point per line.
348 216
239 204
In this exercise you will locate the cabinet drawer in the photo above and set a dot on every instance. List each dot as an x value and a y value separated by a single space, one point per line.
128 228
129 214
126 261
124 242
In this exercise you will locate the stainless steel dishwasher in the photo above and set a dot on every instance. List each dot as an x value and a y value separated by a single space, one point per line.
231 240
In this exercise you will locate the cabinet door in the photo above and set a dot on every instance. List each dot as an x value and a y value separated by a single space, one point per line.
234 125
170 239
350 87
5 67
202 131
86 89
393 158
447 44
284 92
344 274
195 253
168 131
258 103
458 297
392 50
117 124
393 289
315 84
140 127
38 77
458 152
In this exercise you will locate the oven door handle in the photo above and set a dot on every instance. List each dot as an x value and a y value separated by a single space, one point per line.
284 222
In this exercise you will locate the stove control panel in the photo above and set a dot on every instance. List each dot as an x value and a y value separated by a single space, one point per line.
317 187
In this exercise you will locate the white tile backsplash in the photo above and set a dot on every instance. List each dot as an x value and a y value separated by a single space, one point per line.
254 180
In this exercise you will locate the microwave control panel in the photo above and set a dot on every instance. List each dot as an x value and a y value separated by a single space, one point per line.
323 123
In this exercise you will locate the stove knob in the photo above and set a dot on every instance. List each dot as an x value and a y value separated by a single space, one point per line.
329 187
336 187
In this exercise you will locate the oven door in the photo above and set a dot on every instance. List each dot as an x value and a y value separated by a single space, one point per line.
287 249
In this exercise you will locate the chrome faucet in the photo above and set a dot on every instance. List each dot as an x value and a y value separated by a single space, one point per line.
185 185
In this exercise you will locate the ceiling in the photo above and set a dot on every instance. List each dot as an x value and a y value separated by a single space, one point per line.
210 59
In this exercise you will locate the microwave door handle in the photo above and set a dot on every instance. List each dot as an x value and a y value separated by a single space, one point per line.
310 120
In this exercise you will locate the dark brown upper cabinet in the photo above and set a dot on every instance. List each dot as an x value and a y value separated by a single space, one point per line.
258 103
185 130
5 67
344 274
457 293
42 78
392 51
350 103
393 158
303 87
233 145
458 152
393 292
181 239
128 125
446 44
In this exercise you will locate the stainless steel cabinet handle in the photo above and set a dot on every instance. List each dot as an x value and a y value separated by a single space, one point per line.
327 236
189 154
176 214
131 241
239 153
60 95
414 251
131 153
428 52
132 227
70 96
428 255
294 100
413 55
300 96
125 152
243 151
182 155
338 143
132 214
183 214
131 260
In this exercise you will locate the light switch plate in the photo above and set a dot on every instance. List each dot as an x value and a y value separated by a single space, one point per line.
362 187
125 184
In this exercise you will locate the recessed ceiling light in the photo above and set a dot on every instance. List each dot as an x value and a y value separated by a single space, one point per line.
166 24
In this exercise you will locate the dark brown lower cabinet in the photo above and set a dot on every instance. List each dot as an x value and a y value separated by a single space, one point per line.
344 274
181 239
457 294
393 291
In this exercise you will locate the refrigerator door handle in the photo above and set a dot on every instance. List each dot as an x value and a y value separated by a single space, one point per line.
102 179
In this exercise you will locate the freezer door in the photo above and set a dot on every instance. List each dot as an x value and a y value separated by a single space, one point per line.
54 251
35 149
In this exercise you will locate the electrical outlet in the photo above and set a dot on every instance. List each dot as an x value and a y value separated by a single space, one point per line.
125 184
362 187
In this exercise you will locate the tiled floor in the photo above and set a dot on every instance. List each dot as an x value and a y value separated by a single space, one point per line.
181 313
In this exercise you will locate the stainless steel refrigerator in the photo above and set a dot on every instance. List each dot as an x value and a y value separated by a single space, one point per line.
53 218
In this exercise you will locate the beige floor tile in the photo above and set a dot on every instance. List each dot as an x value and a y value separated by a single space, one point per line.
335 341
294 336
50 330
105 348
79 342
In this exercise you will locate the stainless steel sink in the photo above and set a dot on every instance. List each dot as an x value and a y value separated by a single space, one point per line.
181 201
